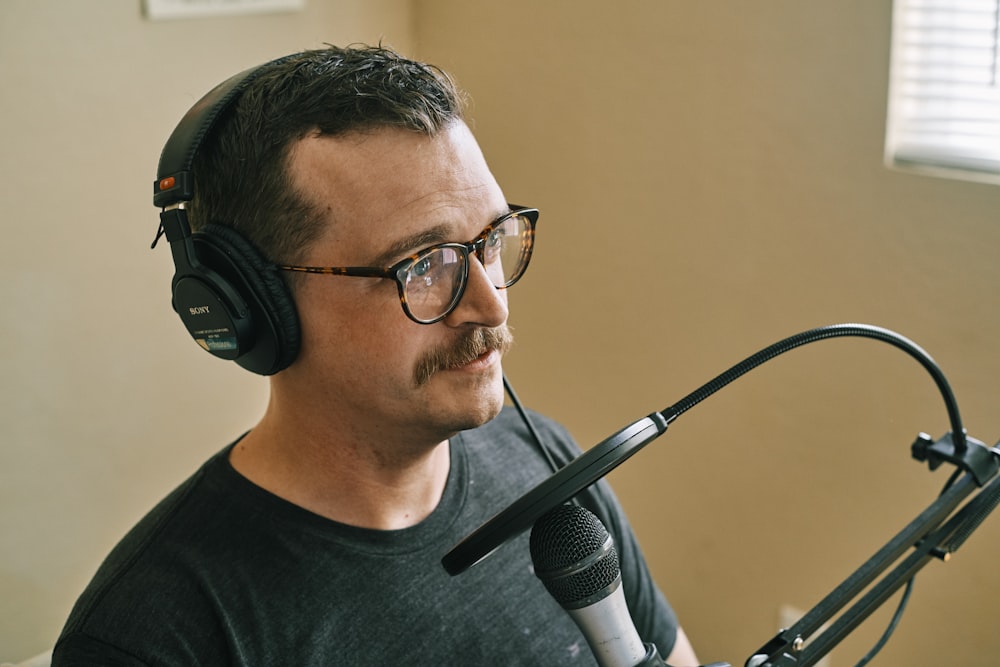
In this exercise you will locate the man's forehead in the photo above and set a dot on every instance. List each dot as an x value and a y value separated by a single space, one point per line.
387 194
391 167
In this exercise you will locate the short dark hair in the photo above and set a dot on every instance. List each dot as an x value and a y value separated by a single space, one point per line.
240 172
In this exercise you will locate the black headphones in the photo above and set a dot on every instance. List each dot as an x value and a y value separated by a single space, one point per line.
233 301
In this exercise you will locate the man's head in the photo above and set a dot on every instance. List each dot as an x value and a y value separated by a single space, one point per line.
360 158
241 168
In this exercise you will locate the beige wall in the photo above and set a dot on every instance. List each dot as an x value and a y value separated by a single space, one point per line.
711 181
710 177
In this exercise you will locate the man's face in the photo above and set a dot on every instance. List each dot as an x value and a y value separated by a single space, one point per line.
387 194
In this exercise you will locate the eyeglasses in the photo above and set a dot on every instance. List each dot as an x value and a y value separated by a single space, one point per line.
431 282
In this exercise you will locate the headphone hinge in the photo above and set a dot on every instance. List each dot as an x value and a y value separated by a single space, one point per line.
173 224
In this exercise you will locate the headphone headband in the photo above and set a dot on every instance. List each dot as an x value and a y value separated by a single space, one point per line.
174 182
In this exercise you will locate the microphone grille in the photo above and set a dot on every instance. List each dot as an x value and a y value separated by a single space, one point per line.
574 556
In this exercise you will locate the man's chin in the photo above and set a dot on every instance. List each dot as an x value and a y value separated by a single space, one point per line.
474 406
481 417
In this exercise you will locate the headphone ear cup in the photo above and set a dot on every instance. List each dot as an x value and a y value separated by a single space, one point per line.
270 341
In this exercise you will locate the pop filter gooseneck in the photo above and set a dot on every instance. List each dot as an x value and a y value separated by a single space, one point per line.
607 455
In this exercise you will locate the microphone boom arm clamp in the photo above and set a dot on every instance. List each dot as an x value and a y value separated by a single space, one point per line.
929 535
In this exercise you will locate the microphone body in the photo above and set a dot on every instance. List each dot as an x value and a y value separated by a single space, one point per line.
609 631
575 558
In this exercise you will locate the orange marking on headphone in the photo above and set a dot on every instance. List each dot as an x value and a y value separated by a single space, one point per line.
167 183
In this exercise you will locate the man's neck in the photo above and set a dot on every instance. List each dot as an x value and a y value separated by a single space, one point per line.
342 476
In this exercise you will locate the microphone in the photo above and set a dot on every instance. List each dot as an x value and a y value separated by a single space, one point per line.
575 558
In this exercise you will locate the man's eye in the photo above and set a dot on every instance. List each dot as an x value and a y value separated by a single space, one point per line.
421 267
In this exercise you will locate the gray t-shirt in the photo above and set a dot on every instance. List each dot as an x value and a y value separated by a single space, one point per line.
222 572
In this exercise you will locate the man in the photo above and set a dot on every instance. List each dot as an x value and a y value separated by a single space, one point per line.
316 538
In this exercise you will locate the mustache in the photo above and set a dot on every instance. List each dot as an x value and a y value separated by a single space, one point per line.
469 347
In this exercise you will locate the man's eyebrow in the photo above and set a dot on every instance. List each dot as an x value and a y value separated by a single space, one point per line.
411 244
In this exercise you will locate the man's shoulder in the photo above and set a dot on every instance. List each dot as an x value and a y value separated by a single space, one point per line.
136 592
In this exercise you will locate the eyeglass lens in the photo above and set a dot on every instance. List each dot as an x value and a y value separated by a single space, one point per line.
434 282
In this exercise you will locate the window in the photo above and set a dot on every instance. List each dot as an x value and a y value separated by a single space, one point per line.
944 93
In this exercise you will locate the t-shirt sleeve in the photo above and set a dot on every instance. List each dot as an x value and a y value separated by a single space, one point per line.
80 650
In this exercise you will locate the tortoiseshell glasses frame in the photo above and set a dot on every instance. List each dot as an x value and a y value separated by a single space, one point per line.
432 281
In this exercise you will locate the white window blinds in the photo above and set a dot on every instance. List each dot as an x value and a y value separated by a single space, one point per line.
944 96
